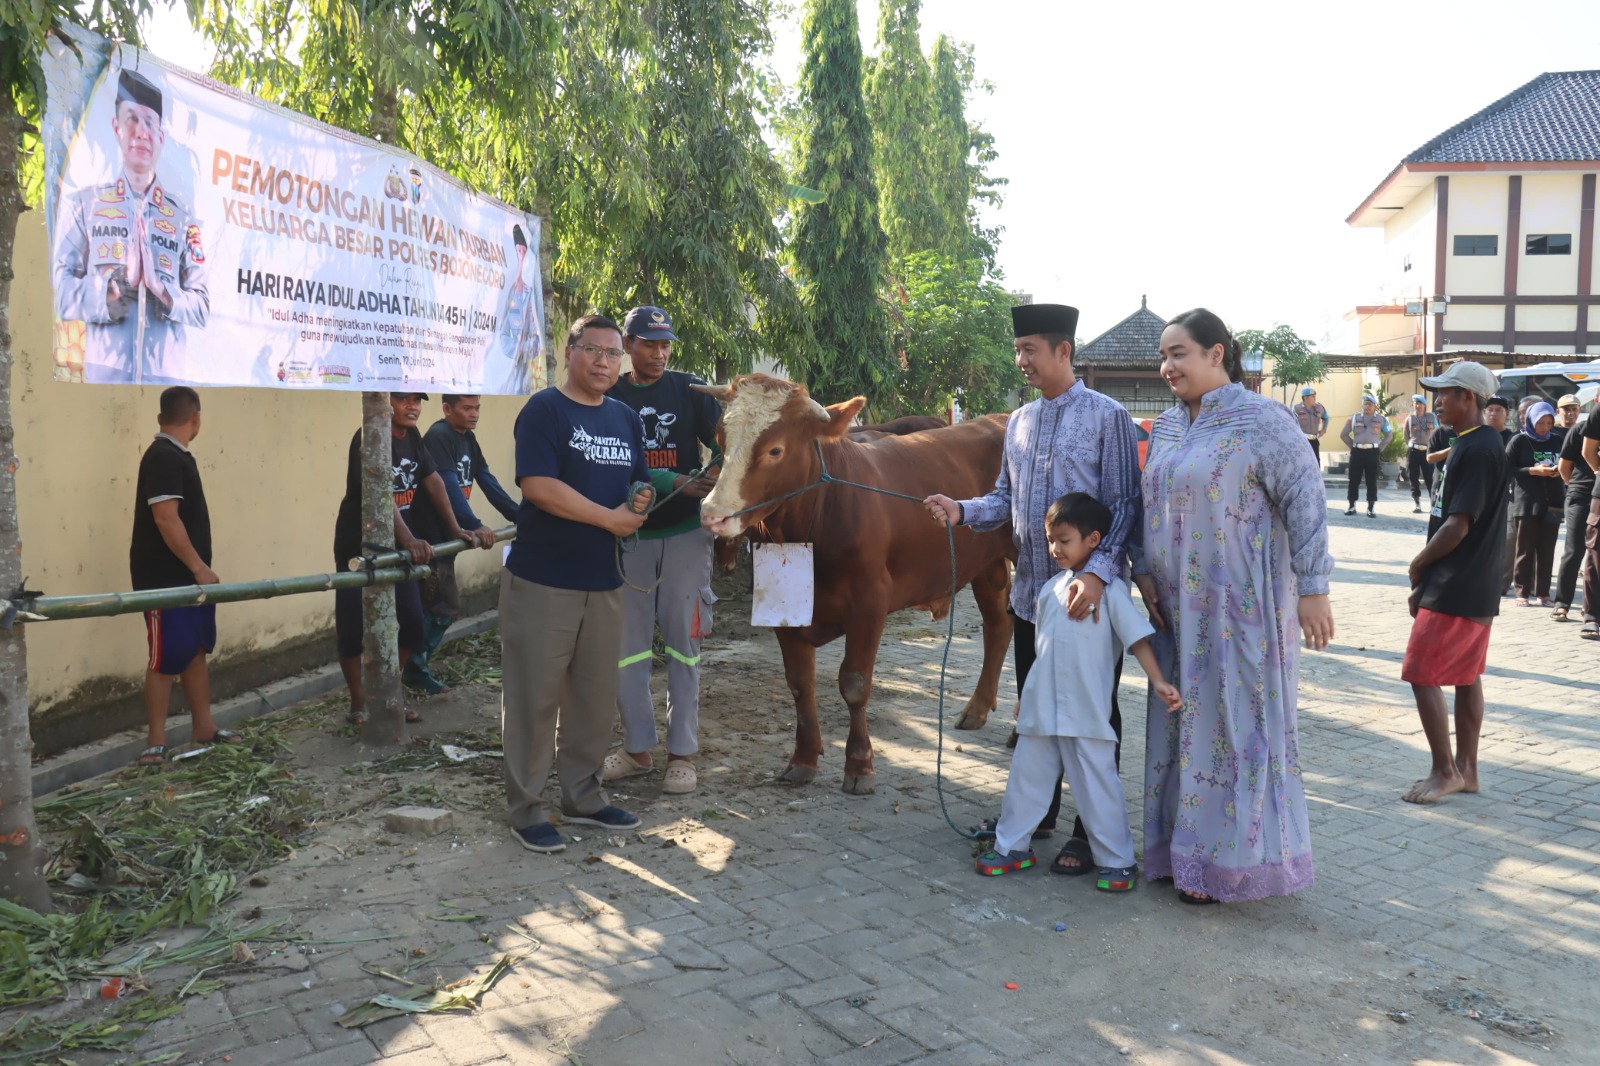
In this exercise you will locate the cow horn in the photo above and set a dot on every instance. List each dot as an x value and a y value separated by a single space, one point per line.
722 393
819 412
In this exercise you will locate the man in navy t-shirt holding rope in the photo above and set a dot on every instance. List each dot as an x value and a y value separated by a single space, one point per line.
578 453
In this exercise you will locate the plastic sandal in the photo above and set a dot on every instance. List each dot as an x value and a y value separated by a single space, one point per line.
223 736
154 755
1116 878
679 778
992 864
619 764
1590 631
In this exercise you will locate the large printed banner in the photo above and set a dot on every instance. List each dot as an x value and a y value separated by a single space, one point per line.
202 236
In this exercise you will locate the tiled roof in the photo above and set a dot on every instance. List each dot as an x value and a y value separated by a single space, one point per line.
1133 343
1555 116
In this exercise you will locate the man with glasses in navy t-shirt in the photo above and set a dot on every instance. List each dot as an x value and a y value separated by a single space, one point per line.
578 455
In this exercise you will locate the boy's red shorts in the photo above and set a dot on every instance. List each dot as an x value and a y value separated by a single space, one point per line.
1445 650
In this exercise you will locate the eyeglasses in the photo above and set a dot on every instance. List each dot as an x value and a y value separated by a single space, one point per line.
594 351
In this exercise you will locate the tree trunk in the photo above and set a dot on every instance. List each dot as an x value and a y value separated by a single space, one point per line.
380 672
21 854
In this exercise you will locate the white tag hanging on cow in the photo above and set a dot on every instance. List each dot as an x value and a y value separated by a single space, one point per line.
785 585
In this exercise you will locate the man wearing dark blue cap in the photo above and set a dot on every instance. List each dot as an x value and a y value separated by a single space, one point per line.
667 578
129 261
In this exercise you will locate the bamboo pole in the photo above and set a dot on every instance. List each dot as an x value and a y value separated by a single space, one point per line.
449 547
387 571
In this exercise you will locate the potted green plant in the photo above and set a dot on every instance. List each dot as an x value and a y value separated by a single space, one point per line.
1390 457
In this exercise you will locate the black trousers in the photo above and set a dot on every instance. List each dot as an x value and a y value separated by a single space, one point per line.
1536 555
1316 448
1022 656
1364 463
1576 519
1420 471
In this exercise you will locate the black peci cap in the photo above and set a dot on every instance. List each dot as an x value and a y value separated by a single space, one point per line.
1030 319
137 89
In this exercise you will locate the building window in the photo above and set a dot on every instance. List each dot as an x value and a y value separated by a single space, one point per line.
1467 244
1406 264
1549 244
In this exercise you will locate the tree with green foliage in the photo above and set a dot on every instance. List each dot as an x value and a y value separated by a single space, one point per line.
953 324
899 99
707 248
25 27
838 243
1293 361
959 154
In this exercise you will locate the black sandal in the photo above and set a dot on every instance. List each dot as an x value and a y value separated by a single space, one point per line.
1195 899
154 755
1076 848
223 736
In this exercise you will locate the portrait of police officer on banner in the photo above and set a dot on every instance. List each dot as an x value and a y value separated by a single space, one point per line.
129 261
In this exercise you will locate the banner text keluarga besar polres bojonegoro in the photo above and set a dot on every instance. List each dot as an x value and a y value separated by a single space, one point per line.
303 208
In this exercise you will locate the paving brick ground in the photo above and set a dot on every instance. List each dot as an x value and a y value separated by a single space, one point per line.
761 924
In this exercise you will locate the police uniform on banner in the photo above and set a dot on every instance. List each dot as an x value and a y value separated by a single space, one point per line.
1365 435
1419 430
1313 419
517 335
130 337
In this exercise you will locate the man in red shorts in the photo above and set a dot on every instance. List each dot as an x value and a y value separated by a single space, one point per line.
1455 590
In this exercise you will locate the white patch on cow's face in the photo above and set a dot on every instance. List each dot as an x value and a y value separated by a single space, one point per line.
750 413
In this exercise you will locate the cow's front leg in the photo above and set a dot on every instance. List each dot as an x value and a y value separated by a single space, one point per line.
800 670
855 685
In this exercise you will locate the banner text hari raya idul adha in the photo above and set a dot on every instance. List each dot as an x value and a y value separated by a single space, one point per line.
202 236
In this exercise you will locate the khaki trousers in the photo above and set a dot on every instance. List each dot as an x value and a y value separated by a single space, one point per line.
558 662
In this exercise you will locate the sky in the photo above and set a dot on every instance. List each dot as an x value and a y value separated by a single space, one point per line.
1208 154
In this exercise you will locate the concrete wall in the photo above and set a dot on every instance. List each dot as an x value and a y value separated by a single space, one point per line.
1409 237
273 463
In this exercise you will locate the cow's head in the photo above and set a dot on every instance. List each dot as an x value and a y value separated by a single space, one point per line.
768 426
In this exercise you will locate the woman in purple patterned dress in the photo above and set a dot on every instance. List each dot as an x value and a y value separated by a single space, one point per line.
1236 536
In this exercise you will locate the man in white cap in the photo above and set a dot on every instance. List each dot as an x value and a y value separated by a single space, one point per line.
1419 429
1455 593
1313 419
1365 434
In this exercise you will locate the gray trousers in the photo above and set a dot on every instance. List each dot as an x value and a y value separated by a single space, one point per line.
681 606
1091 769
558 660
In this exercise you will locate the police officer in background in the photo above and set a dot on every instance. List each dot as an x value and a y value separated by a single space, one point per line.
1365 434
129 262
1421 424
1313 419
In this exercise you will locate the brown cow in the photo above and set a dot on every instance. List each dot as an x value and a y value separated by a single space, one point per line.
873 553
725 551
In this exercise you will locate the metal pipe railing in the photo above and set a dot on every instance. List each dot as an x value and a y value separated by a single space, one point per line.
387 570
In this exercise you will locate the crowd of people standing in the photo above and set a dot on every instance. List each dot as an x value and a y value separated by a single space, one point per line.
1223 532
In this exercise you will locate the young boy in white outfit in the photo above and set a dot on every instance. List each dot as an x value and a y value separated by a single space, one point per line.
1064 716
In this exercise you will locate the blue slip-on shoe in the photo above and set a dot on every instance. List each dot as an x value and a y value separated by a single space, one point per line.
607 817
542 837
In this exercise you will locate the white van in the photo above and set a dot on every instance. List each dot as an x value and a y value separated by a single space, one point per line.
1551 381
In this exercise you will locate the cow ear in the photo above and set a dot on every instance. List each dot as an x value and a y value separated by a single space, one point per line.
841 416
721 393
